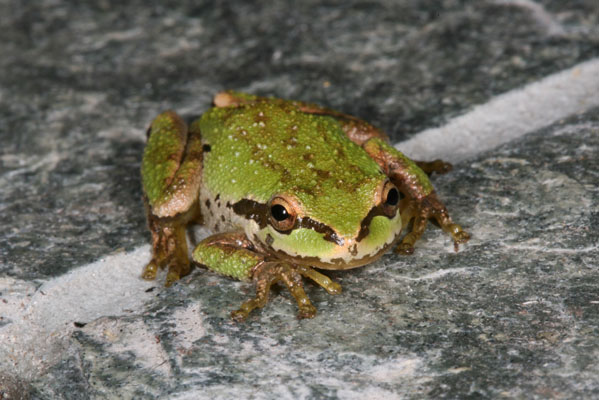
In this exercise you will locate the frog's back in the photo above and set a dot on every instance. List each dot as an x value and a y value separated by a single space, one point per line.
261 149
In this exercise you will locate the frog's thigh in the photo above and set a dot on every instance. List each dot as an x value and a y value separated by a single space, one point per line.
229 254
171 177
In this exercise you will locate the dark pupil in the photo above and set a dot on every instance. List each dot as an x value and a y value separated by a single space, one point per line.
392 197
279 212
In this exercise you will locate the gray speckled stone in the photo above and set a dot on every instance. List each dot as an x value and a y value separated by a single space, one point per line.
79 84
13 388
514 313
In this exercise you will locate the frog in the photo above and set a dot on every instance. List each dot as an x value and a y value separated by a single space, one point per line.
289 189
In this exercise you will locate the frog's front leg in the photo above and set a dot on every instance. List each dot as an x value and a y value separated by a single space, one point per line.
171 177
232 254
420 202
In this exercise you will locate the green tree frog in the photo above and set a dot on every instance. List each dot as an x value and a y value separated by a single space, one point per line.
287 187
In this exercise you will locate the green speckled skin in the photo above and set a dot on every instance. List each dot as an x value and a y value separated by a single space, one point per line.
171 166
234 262
162 156
379 229
286 186
267 148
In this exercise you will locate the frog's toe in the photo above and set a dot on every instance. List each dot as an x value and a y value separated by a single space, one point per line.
441 167
333 288
405 249
150 270
437 166
306 311
327 283
461 236
239 315
291 275
175 272
224 99
257 302
171 277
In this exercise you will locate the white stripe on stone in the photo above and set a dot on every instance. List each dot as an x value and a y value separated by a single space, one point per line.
509 116
40 319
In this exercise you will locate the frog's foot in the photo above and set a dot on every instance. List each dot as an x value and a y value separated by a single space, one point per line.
438 166
421 211
169 248
269 273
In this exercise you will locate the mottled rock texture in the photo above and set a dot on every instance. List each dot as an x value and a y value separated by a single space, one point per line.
514 313
81 82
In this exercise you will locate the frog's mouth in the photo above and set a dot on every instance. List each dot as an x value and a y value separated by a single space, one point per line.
308 246
338 263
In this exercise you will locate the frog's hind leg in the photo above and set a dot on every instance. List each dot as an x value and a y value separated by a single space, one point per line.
171 177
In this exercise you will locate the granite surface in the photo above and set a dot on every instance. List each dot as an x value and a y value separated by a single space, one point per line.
81 82
514 313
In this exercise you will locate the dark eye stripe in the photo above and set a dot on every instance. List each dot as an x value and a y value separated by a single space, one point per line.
329 234
260 213
251 210
365 224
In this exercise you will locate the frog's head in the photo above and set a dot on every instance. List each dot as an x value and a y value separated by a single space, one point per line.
339 230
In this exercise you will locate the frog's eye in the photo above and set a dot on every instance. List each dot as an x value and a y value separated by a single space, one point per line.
390 199
282 214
